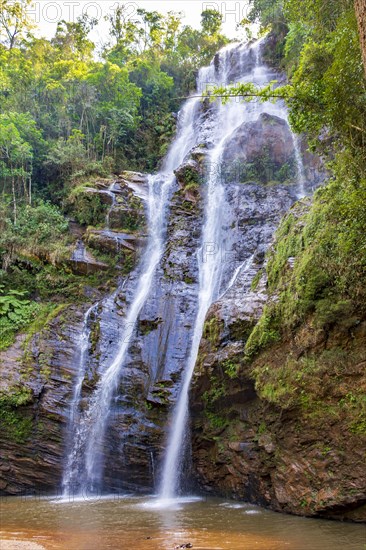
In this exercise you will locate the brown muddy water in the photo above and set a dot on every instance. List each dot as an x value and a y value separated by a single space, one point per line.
147 524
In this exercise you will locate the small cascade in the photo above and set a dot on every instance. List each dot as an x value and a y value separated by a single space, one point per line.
80 252
113 197
301 179
69 473
152 462
244 266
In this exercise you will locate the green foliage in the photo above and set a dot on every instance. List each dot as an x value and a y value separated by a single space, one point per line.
265 332
11 306
190 178
216 391
15 314
14 423
263 169
65 115
211 330
317 265
87 207
311 383
329 86
15 160
267 12
14 22
38 233
211 22
231 368
255 281
211 399
216 421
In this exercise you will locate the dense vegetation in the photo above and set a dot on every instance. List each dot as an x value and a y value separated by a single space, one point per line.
327 100
317 267
65 114
70 115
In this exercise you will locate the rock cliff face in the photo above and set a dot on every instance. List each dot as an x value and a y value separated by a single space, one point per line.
277 428
38 371
160 349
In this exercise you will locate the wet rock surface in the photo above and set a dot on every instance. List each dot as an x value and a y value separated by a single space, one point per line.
158 352
268 132
289 458
33 434
82 262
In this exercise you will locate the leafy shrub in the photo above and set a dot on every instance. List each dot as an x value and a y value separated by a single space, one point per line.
40 231
87 207
15 314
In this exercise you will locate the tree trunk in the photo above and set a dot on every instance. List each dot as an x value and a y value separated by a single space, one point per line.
14 200
360 9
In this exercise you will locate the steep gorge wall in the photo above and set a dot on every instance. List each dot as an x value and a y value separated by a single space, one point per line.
37 375
278 417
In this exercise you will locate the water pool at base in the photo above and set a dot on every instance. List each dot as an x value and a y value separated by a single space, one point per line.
125 523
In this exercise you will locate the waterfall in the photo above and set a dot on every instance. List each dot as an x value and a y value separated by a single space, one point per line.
214 125
228 117
84 464
101 400
301 179
113 197
86 452
69 472
244 266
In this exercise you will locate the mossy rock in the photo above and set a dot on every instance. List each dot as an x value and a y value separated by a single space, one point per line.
128 219
89 206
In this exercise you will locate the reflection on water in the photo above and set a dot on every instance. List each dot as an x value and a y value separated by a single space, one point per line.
149 524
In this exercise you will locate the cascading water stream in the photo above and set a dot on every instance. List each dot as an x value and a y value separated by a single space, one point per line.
113 197
83 469
101 400
209 265
244 266
261 76
301 179
69 472
228 118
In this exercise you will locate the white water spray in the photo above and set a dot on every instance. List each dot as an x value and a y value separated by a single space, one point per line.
69 471
228 118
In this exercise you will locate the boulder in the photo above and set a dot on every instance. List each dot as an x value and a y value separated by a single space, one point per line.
261 151
104 195
190 175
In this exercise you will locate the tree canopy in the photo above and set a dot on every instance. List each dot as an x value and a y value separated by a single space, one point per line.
64 113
